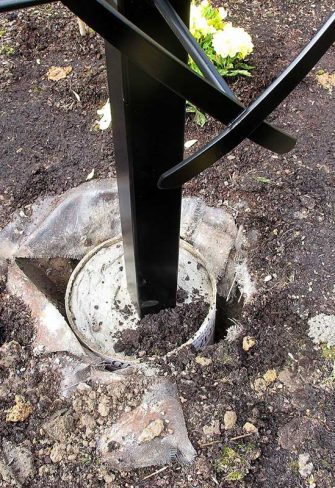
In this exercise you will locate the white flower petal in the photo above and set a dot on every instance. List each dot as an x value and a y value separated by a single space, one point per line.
232 41
190 143
106 116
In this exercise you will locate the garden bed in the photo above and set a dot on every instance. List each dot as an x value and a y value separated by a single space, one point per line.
283 385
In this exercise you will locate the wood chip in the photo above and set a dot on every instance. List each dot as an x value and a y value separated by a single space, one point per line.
210 443
240 436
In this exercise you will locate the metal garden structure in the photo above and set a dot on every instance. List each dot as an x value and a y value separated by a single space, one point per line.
147 44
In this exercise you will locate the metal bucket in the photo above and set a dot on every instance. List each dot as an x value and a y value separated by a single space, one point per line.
99 307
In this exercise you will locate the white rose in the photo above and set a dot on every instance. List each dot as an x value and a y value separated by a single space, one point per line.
198 23
232 41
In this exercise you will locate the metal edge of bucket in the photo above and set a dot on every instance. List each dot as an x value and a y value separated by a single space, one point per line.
211 314
121 362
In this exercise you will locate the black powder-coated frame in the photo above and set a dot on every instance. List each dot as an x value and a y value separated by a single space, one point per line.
148 127
147 42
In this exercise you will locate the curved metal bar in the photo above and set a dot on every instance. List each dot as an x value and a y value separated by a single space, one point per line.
169 70
186 39
258 110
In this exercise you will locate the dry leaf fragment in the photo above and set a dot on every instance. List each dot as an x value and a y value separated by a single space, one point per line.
20 411
57 73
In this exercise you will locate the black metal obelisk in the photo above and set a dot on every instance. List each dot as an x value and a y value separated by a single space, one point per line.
148 133
147 42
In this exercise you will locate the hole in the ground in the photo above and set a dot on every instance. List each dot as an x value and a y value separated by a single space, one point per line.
228 313
50 276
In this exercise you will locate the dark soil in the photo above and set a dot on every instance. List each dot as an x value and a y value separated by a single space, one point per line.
21 374
160 333
285 204
15 321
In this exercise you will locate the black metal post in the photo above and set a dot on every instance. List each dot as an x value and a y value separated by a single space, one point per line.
148 127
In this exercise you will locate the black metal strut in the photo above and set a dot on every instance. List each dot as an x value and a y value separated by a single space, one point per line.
266 135
191 46
148 134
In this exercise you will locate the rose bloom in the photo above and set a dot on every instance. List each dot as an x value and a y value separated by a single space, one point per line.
232 41
198 24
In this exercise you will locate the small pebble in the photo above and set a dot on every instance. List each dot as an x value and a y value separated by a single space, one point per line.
229 419
203 361
250 428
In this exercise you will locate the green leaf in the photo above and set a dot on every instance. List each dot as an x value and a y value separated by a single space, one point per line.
191 109
263 179
200 118
246 66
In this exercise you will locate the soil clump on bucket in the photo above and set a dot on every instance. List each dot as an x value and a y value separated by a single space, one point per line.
157 334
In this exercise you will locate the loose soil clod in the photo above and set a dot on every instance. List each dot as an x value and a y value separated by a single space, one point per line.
160 333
